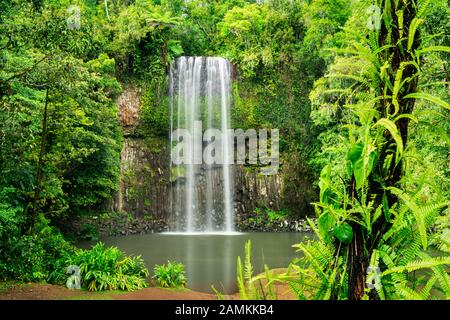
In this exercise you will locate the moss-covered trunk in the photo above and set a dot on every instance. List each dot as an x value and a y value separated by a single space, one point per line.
395 33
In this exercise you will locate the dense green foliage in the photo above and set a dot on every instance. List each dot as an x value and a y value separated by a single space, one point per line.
31 257
170 275
387 208
362 112
59 87
266 216
60 140
104 268
45 256
379 206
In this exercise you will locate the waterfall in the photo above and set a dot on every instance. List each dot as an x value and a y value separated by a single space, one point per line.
200 99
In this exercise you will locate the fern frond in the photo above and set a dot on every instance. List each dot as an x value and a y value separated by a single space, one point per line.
428 97
412 31
423 5
393 130
269 285
219 294
434 49
420 213
407 293
441 274
426 290
297 290
248 268
419 264
240 281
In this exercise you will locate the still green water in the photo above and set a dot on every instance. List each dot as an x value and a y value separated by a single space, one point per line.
210 259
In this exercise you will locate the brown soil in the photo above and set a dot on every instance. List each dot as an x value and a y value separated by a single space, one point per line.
36 291
164 294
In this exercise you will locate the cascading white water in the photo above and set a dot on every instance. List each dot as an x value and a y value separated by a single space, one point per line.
202 194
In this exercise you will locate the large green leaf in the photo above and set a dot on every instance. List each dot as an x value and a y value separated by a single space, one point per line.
358 172
344 233
362 162
324 185
325 223
355 152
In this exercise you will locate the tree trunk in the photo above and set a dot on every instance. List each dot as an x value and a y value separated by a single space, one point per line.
357 264
360 250
39 173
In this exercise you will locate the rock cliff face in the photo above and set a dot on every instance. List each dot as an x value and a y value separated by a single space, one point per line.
145 186
253 190
129 107
144 178
144 167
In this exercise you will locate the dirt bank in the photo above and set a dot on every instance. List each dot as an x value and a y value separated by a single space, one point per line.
36 291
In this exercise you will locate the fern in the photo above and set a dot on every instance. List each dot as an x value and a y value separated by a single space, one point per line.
392 128
419 264
426 291
429 97
372 87
245 279
441 274
420 213
240 281
412 31
407 293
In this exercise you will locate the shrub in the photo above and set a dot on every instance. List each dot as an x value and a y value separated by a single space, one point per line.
268 216
89 231
171 275
45 256
32 257
104 268
11 216
274 216
23 260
